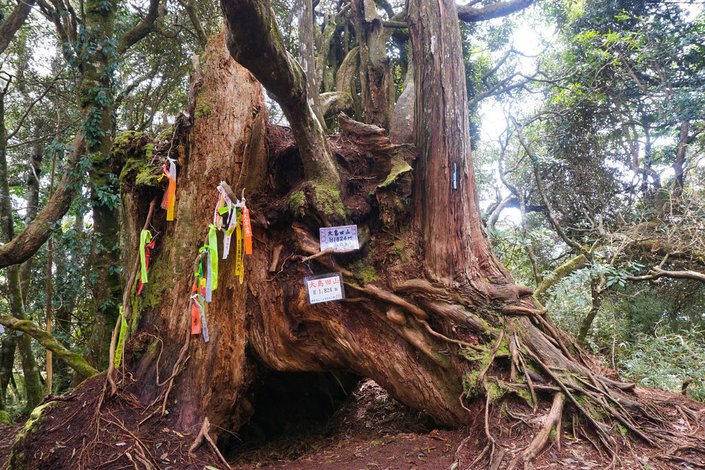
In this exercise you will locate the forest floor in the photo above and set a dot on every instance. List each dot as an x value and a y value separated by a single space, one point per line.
7 437
374 431
370 430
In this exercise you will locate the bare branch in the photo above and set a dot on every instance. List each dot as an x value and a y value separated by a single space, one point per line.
141 29
657 273
473 14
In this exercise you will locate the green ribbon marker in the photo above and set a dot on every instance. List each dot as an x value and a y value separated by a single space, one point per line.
121 340
145 237
213 251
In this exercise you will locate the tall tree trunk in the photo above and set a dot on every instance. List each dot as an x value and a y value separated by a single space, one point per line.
8 346
447 211
96 89
376 83
30 370
307 54
35 163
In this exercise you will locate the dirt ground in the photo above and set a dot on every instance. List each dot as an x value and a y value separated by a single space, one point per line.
374 431
7 436
369 431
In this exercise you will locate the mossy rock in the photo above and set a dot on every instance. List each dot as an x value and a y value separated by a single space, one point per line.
399 168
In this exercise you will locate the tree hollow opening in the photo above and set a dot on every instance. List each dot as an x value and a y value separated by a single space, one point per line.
290 406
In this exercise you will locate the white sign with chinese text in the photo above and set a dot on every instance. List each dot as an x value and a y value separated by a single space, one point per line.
324 288
339 238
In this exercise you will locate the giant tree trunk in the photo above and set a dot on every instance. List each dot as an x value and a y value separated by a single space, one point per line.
431 315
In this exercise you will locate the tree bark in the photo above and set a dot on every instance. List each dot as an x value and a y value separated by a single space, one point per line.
30 370
376 83
254 40
14 22
447 211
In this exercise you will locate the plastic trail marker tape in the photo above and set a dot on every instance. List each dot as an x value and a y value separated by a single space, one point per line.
247 229
239 250
229 208
213 256
122 337
170 195
146 247
195 313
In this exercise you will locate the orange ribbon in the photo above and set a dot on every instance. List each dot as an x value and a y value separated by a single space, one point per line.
247 228
170 195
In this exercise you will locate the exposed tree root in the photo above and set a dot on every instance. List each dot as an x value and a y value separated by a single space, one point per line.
552 419
599 402
203 435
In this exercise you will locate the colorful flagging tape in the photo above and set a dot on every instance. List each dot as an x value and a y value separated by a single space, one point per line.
147 244
122 337
230 217
169 199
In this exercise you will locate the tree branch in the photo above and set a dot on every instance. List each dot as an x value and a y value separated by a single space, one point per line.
657 273
472 14
14 22
24 245
255 42
561 272
539 186
72 359
141 29
192 12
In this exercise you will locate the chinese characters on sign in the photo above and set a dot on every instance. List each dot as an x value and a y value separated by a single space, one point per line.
339 238
324 288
